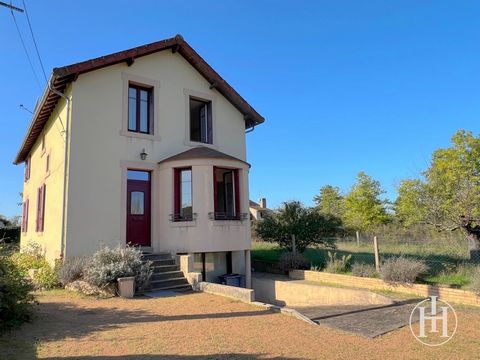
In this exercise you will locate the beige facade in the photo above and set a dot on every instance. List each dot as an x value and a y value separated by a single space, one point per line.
99 150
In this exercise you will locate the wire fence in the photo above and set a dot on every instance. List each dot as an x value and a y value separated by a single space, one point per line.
440 251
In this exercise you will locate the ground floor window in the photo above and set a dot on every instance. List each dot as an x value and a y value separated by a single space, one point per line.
226 193
183 207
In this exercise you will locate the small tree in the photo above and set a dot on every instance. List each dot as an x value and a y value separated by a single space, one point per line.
330 202
306 224
364 210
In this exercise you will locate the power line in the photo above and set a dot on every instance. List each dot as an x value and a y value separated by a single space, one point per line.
25 48
34 41
11 7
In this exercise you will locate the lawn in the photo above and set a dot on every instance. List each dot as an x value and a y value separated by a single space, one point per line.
201 326
447 262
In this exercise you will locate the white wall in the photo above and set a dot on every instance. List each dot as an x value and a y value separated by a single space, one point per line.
98 152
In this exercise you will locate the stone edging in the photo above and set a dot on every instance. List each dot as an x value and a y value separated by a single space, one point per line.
242 294
285 311
448 294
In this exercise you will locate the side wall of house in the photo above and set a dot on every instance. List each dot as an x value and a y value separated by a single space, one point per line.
101 152
53 178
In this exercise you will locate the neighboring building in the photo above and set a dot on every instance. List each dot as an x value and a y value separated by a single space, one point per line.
258 211
147 147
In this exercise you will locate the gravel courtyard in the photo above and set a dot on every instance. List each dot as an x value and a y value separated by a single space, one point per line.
200 326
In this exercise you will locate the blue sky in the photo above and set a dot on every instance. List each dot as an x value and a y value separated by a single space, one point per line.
344 86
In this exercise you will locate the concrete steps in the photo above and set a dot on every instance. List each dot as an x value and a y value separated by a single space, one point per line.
166 274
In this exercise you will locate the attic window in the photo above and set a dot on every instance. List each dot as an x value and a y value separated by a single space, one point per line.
140 113
201 121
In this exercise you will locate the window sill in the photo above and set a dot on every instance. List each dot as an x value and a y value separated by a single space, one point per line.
140 135
196 144
179 224
233 222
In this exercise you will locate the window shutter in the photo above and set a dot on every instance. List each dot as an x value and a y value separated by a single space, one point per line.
41 208
176 192
39 199
27 203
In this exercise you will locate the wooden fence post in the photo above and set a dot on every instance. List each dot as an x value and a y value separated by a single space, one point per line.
377 254
358 238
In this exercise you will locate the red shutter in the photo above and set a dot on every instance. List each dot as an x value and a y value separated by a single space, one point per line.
27 169
237 193
25 216
176 193
41 208
39 199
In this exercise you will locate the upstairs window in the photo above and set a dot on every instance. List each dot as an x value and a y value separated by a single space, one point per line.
183 209
140 112
27 168
227 194
201 121
41 192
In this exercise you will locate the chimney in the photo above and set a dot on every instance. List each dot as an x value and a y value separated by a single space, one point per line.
263 203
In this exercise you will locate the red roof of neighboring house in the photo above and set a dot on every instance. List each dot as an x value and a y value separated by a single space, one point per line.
63 76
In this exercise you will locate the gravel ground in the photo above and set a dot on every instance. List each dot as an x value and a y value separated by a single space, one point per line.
199 325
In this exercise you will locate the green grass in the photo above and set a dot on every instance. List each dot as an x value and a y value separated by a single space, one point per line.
444 260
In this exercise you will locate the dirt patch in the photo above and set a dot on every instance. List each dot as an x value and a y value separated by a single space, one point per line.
206 326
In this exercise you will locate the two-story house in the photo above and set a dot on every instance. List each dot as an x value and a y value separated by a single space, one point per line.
144 147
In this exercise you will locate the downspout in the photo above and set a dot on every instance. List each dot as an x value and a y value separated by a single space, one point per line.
65 167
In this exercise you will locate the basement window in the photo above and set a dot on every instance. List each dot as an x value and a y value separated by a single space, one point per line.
201 121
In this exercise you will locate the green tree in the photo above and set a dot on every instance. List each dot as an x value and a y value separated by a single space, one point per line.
307 224
364 210
448 195
330 202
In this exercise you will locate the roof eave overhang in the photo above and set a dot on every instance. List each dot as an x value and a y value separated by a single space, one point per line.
61 77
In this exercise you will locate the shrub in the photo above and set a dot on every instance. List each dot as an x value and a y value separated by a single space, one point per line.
364 270
45 277
337 265
72 269
15 297
108 265
402 269
291 261
475 281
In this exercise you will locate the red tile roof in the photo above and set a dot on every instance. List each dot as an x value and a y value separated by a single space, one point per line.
63 76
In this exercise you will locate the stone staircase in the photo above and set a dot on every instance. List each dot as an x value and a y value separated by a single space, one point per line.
166 274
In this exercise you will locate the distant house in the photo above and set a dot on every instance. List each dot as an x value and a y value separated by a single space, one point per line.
144 147
258 210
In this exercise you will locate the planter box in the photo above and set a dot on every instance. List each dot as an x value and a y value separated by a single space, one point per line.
444 293
126 287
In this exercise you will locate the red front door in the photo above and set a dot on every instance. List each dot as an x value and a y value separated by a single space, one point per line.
138 208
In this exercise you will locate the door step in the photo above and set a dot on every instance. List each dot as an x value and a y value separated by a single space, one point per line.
166 274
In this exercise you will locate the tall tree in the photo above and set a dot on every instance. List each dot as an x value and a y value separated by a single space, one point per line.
364 210
308 226
330 202
448 195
